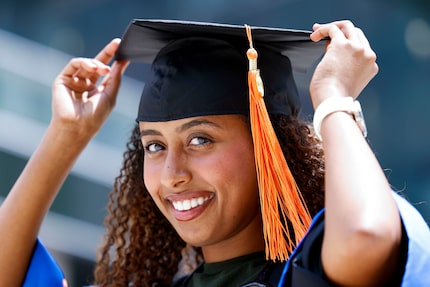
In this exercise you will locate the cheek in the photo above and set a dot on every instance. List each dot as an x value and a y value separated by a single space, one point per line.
151 178
236 169
239 188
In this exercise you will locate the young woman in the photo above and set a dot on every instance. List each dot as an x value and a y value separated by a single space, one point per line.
188 192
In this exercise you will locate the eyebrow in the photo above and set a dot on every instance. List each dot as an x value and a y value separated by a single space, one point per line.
182 128
196 122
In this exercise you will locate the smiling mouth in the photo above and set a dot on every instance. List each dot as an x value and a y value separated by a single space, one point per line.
188 204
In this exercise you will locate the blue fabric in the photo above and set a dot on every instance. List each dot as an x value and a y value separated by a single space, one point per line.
417 269
43 269
285 275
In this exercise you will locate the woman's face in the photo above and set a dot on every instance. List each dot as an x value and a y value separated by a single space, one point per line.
200 172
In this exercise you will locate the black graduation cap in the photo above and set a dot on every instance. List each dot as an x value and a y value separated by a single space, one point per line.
200 69
144 39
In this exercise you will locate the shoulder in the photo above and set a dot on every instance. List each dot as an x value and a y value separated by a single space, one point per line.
305 267
416 240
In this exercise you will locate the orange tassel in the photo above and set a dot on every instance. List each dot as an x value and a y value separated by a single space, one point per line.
280 197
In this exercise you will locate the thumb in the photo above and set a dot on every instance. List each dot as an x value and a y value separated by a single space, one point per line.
112 81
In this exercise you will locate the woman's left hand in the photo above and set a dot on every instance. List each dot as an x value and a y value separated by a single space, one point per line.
348 65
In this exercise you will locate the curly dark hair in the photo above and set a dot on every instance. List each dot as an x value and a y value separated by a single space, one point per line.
141 248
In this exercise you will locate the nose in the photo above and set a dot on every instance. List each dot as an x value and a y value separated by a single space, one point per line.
176 172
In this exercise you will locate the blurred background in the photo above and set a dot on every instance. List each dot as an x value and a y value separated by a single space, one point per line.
37 38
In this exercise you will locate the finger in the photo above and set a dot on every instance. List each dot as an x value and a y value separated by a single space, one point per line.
82 67
326 30
344 29
122 65
82 74
91 70
348 29
101 60
316 26
111 82
363 39
78 85
370 54
108 52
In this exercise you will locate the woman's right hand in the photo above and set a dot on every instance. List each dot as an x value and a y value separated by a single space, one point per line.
80 106
80 103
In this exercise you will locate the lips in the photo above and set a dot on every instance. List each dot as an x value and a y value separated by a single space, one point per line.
189 206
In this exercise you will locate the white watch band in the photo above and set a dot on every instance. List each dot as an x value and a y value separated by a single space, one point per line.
338 104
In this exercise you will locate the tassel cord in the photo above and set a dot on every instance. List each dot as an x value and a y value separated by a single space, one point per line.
280 198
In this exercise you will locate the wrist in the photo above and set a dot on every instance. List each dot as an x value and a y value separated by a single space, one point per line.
338 104
70 136
322 91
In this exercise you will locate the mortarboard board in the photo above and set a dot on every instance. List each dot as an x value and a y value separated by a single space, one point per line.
143 39
200 69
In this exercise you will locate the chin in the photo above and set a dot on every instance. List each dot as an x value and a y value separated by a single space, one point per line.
195 239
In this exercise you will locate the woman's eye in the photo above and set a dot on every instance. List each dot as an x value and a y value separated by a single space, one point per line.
199 141
153 148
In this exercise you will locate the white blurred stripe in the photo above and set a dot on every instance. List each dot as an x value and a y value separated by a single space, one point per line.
99 162
71 236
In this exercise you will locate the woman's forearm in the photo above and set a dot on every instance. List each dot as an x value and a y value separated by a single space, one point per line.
24 209
363 226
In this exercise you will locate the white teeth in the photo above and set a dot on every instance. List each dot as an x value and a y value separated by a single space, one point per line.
188 204
193 203
177 205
